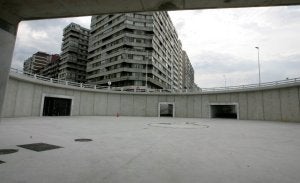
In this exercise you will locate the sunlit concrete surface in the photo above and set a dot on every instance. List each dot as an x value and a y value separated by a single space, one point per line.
136 149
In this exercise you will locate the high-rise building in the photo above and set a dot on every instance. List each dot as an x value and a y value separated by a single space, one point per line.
188 72
36 62
72 66
51 69
125 48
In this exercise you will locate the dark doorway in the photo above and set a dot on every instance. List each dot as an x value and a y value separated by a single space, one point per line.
223 111
57 106
166 110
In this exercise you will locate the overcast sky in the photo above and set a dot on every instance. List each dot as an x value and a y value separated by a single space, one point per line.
220 43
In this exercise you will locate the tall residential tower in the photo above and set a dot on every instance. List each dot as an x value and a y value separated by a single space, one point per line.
188 72
72 66
36 62
125 48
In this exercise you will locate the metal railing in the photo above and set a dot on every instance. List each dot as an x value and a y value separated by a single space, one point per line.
142 89
254 86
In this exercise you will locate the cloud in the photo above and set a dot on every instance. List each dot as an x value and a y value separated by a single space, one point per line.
221 42
212 69
281 68
179 26
221 63
42 35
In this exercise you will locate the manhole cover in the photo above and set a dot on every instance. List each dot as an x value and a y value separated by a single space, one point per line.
184 125
1 162
83 140
39 147
8 151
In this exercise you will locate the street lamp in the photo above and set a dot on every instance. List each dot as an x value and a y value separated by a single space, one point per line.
172 74
147 69
259 79
109 83
224 76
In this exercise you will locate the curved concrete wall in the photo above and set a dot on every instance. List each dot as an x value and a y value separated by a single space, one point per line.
24 97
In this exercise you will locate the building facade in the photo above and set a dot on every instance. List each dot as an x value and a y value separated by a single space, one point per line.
125 48
52 68
188 72
36 62
72 66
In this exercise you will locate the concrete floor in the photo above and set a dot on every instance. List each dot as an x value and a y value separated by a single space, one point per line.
129 150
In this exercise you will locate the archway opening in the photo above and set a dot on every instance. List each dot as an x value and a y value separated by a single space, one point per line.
166 110
223 111
54 106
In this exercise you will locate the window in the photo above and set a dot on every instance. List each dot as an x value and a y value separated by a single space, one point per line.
149 24
141 24
139 40
130 56
129 14
148 17
138 57
139 16
129 22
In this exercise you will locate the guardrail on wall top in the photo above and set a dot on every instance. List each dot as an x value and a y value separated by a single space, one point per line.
140 89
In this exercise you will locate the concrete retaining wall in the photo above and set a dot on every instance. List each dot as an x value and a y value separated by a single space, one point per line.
24 98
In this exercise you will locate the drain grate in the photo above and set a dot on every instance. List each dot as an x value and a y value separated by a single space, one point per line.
38 147
8 151
165 123
182 125
83 140
1 162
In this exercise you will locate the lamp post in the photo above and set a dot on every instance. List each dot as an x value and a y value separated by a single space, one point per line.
172 74
224 80
147 69
109 83
258 62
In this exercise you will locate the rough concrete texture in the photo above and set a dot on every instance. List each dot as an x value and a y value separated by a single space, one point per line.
152 102
7 42
14 11
289 98
272 98
278 104
127 105
129 150
87 104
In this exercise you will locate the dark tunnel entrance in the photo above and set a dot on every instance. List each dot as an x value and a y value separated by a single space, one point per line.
224 111
57 106
166 110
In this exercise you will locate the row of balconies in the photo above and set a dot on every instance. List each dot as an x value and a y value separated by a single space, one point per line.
124 35
76 67
110 49
90 68
101 30
82 30
127 69
105 22
122 26
73 61
135 78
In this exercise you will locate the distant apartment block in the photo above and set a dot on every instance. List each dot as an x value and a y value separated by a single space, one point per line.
51 69
72 66
36 62
188 72
135 49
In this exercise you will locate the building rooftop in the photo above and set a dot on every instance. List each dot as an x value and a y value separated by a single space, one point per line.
140 149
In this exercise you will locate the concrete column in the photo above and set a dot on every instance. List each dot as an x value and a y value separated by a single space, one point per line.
7 43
